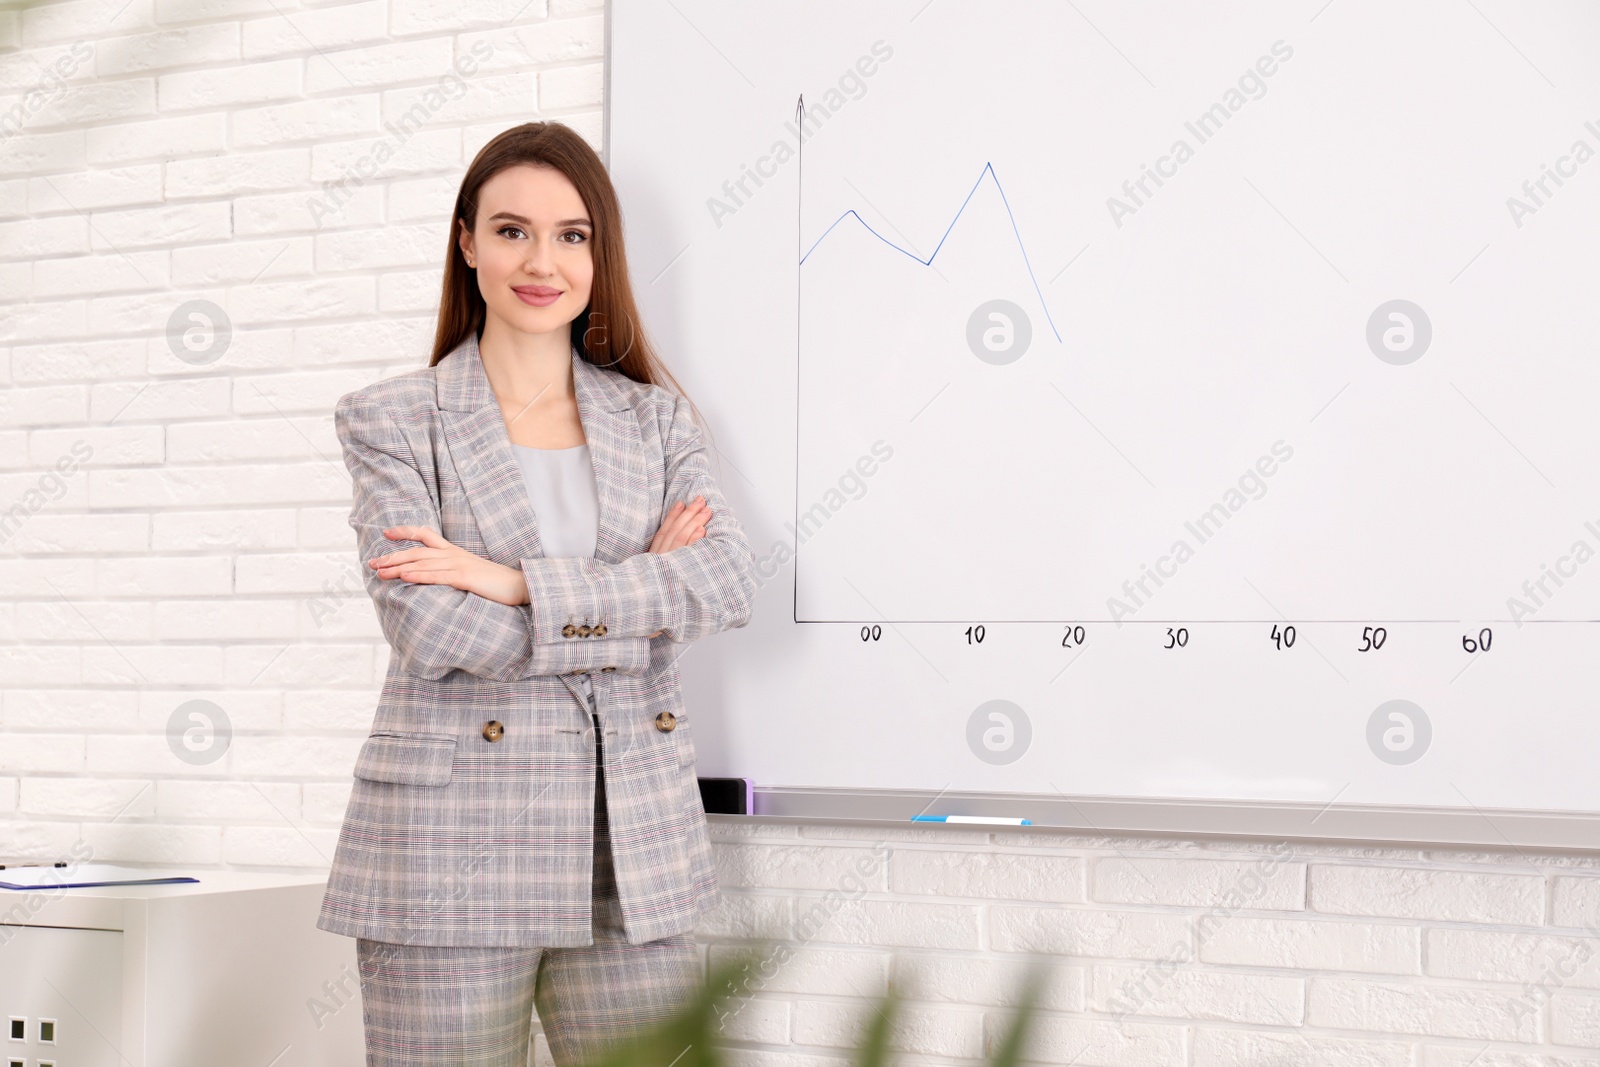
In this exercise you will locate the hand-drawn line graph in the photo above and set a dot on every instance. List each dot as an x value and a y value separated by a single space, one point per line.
803 254
988 169
1205 388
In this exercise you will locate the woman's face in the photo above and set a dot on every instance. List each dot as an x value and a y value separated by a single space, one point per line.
531 248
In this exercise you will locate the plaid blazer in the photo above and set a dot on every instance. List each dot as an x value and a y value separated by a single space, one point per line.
462 832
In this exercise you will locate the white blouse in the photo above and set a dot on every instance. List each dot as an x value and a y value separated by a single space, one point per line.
561 488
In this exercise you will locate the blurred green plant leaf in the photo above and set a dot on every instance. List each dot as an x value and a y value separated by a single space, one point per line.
691 1036
874 1050
1009 1051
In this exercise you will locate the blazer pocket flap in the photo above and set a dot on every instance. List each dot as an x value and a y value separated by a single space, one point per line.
409 759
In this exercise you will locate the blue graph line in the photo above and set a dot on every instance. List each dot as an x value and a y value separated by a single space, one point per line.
988 168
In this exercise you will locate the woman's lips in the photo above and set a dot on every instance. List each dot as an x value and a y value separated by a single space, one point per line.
537 295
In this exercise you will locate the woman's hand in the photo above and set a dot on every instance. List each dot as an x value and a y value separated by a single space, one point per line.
684 525
438 562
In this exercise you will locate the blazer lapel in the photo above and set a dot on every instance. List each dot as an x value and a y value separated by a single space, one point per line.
616 451
480 451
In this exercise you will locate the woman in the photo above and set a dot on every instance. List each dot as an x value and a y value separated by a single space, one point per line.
541 531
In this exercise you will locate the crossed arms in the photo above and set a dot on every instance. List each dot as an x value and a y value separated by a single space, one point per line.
684 594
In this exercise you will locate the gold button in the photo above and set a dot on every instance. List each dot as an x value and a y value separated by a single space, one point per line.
580 672
607 670
666 722
568 630
585 630
492 730
600 630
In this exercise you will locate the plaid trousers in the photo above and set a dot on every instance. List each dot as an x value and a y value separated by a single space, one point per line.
447 1006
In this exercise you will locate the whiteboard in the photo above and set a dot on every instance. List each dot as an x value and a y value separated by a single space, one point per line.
1160 415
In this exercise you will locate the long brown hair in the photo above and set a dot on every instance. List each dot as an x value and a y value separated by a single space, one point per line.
608 333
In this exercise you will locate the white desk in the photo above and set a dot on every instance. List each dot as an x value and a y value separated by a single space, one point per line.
229 970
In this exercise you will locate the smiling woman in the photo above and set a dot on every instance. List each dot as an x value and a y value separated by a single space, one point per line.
531 248
537 211
540 526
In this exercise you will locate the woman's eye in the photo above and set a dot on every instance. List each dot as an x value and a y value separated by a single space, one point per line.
516 232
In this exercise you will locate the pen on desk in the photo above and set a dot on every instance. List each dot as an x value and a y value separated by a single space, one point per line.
987 819
12 866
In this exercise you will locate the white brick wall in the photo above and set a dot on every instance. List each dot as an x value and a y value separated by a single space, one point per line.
1164 951
209 149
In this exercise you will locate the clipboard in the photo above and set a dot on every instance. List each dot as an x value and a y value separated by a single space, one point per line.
33 876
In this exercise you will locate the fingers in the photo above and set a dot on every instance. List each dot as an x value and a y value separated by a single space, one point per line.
409 563
674 527
405 556
426 535
683 525
685 518
421 572
686 531
663 538
431 539
682 515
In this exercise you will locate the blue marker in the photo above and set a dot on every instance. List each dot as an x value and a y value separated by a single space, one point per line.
989 820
